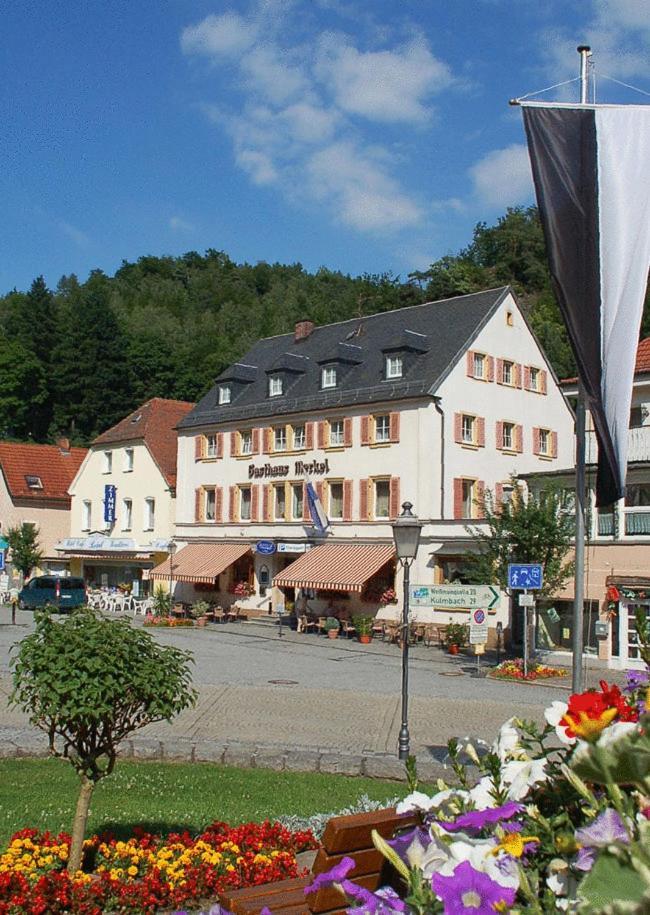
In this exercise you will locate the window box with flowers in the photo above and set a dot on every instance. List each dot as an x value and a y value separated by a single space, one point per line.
242 589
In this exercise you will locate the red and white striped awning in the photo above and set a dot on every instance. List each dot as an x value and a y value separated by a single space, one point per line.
200 562
336 566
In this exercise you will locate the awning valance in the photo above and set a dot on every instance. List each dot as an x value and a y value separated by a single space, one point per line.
200 562
336 566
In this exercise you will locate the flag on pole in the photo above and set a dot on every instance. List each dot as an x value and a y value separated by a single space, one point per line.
318 516
591 168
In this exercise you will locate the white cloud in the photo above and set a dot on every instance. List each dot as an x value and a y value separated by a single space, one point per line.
216 36
309 123
503 178
387 85
78 237
258 165
269 72
178 224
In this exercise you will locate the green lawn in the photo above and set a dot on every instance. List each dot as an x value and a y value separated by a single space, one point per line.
166 796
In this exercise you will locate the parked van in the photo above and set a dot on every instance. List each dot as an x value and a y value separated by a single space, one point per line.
51 590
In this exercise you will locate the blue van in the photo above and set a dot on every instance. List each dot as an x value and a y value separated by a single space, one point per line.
53 591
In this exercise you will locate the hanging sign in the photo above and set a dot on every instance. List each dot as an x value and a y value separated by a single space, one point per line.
266 547
109 503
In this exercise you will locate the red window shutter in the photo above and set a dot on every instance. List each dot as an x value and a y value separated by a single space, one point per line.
470 363
268 439
480 431
543 381
498 495
479 505
266 502
394 427
234 450
219 444
363 500
393 502
306 515
255 502
347 431
554 444
535 440
309 436
232 506
255 441
499 371
322 434
490 368
517 375
218 504
319 491
365 430
519 439
347 500
198 447
198 506
458 427
458 497
527 378
499 436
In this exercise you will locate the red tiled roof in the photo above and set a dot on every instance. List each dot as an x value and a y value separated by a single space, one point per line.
642 361
200 562
336 567
54 468
154 423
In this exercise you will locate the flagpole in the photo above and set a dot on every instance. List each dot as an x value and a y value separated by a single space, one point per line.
577 635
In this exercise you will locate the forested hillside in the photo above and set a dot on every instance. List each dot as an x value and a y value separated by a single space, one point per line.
75 359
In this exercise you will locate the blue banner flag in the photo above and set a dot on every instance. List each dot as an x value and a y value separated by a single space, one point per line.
318 516
109 503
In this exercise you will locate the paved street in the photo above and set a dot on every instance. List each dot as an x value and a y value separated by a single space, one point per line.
305 692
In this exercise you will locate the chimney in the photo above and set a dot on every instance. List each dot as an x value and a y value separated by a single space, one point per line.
63 444
303 330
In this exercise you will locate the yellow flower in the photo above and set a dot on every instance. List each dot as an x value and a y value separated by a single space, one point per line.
513 843
591 728
132 871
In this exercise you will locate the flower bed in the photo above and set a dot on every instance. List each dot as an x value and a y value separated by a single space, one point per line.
145 873
514 670
166 621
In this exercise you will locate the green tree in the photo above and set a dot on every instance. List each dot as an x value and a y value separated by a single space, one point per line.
26 551
526 528
89 683
23 390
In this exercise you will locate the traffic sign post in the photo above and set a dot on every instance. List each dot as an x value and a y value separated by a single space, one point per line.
527 576
478 635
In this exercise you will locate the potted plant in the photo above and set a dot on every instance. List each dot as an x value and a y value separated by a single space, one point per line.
332 627
199 612
363 625
456 637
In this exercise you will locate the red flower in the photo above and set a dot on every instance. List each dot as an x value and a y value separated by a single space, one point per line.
589 713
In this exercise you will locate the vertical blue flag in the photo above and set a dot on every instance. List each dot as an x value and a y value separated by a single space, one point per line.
318 516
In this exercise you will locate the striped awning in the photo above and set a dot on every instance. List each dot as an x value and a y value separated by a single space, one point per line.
336 566
200 562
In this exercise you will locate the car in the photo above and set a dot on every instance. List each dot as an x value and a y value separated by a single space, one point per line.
53 591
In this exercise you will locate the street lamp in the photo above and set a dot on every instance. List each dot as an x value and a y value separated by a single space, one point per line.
406 534
171 546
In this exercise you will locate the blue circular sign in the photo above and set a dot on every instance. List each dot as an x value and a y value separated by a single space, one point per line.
265 546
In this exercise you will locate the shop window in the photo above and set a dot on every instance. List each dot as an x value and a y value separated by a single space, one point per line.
328 377
394 366
279 502
86 515
149 514
210 509
296 501
128 460
108 462
246 442
244 503
382 428
382 498
337 432
336 501
275 386
127 514
280 438
225 394
299 438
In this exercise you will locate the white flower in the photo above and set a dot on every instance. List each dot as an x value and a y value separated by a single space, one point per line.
554 715
417 800
558 877
615 732
440 801
521 774
482 794
507 740
479 852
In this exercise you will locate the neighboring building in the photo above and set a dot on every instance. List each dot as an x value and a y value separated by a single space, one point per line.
617 553
34 490
431 404
132 467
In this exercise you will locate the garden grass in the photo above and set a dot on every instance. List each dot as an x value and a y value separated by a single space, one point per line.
164 797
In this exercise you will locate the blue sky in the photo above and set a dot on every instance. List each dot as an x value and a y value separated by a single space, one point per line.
363 136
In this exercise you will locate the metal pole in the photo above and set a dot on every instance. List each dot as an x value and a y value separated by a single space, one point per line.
585 53
526 638
404 740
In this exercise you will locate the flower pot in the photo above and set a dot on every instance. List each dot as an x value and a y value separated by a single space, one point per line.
453 649
332 633
365 639
201 620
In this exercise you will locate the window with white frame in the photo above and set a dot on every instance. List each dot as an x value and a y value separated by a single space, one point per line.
108 462
149 514
128 460
211 446
127 514
244 503
246 442
279 502
336 432
534 379
296 501
468 498
336 500
225 393
86 515
381 498
545 442
280 438
394 366
275 385
328 376
468 429
210 508
382 428
508 372
299 439
508 437
478 365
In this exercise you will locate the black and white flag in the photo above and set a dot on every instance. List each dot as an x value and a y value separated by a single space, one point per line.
591 167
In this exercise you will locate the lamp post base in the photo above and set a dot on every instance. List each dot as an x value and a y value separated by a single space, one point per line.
403 745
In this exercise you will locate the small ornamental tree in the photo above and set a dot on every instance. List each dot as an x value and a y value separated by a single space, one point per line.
89 683
26 552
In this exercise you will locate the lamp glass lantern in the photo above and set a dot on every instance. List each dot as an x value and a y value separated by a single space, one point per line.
406 533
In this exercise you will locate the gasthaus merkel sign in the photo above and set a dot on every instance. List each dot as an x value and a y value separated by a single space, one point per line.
300 469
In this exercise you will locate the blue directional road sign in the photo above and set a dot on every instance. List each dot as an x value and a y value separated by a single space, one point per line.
525 577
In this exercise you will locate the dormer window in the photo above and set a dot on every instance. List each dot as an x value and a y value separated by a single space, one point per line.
328 377
275 386
394 366
225 393
33 482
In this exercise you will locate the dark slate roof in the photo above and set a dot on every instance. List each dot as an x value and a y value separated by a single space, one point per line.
440 332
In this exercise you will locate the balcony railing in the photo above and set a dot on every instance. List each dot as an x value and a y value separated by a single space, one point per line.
605 524
638 445
637 521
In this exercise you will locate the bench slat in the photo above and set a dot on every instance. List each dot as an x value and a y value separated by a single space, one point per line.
346 834
231 899
369 861
329 898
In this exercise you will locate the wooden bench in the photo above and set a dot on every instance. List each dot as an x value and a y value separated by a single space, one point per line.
344 836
